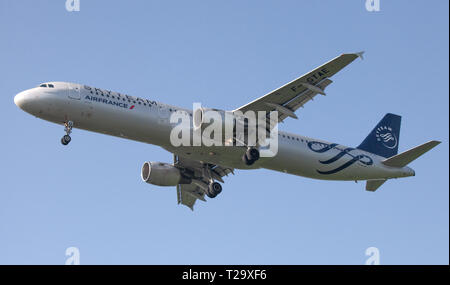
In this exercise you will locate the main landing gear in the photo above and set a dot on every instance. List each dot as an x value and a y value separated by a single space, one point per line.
65 140
250 156
214 189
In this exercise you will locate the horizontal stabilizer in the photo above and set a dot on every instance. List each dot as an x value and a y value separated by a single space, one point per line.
374 184
404 158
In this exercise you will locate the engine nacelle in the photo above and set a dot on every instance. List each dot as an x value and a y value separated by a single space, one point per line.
162 174
201 117
204 117
233 126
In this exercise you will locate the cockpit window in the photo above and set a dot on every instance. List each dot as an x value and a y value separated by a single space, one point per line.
45 85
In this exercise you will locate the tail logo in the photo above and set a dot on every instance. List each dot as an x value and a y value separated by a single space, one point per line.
386 137
320 147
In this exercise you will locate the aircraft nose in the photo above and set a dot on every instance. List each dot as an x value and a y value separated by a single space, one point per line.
21 99
26 100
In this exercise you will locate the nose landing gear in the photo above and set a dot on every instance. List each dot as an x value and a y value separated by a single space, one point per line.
65 140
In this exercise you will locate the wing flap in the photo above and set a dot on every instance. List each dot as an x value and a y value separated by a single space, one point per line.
301 99
187 194
296 93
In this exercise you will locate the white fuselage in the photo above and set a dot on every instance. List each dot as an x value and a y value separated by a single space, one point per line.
147 121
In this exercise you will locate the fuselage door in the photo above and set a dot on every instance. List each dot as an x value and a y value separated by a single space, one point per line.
73 91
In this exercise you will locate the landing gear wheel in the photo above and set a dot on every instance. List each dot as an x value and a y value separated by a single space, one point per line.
246 160
65 140
250 156
214 189
210 195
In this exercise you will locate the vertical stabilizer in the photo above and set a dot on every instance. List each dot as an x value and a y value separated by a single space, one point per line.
384 138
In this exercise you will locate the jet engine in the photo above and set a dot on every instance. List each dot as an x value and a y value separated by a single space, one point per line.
233 126
204 117
163 174
200 117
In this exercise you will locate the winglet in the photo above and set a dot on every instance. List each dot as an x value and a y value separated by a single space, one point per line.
360 54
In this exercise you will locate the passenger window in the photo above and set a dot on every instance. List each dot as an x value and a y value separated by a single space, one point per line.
43 85
51 86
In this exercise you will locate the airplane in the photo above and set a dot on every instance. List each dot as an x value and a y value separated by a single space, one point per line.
197 170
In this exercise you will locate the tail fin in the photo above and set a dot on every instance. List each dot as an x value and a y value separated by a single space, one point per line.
385 137
404 158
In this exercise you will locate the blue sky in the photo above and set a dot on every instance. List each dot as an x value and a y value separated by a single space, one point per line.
223 54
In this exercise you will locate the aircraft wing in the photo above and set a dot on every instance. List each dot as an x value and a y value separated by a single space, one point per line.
202 174
288 98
